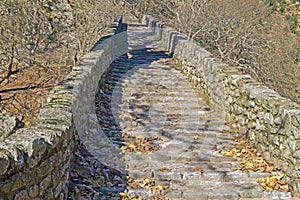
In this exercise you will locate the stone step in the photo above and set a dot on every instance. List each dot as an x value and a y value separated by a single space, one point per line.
145 194
215 193
188 98
186 176
144 95
232 190
208 190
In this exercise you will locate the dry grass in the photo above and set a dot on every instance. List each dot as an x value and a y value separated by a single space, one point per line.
40 41
243 33
44 39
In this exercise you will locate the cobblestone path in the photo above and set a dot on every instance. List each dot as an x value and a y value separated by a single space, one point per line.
169 137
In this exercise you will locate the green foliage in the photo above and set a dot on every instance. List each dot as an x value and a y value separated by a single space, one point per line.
272 5
279 5
248 140
293 23
283 7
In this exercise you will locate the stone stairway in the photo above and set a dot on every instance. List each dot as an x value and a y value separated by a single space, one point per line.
144 97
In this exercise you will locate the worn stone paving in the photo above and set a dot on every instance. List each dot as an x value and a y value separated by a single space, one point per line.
144 95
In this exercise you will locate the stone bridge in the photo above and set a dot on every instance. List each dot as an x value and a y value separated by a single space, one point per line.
149 107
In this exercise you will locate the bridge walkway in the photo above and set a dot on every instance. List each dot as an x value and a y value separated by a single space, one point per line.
169 138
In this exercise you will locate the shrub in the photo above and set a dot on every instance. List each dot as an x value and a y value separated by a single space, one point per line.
40 41
242 33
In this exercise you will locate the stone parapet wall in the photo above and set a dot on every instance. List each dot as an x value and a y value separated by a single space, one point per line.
35 161
272 122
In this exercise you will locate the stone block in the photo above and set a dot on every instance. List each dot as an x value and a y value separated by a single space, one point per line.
13 184
172 194
138 175
44 172
59 189
34 191
213 176
22 195
4 165
195 194
253 193
46 183
7 124
273 194
223 194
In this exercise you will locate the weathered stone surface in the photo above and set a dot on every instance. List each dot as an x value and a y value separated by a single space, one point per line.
22 195
4 166
46 149
38 158
34 191
144 95
7 125
253 108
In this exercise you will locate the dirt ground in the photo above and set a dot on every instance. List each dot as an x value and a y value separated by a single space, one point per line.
22 94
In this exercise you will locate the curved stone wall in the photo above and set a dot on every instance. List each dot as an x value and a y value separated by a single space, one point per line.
272 122
35 161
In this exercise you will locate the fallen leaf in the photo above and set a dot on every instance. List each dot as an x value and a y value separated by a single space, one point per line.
141 137
122 194
165 169
132 146
274 182
134 123
123 148
197 169
269 169
161 187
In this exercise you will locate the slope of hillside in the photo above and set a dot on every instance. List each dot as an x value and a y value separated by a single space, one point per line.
261 37
37 50
41 43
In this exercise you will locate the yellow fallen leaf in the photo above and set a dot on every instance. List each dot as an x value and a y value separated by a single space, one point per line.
196 137
157 138
122 194
259 159
224 152
161 187
249 164
231 153
237 154
268 188
165 169
134 123
123 148
132 146
284 188
274 182
198 169
146 181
